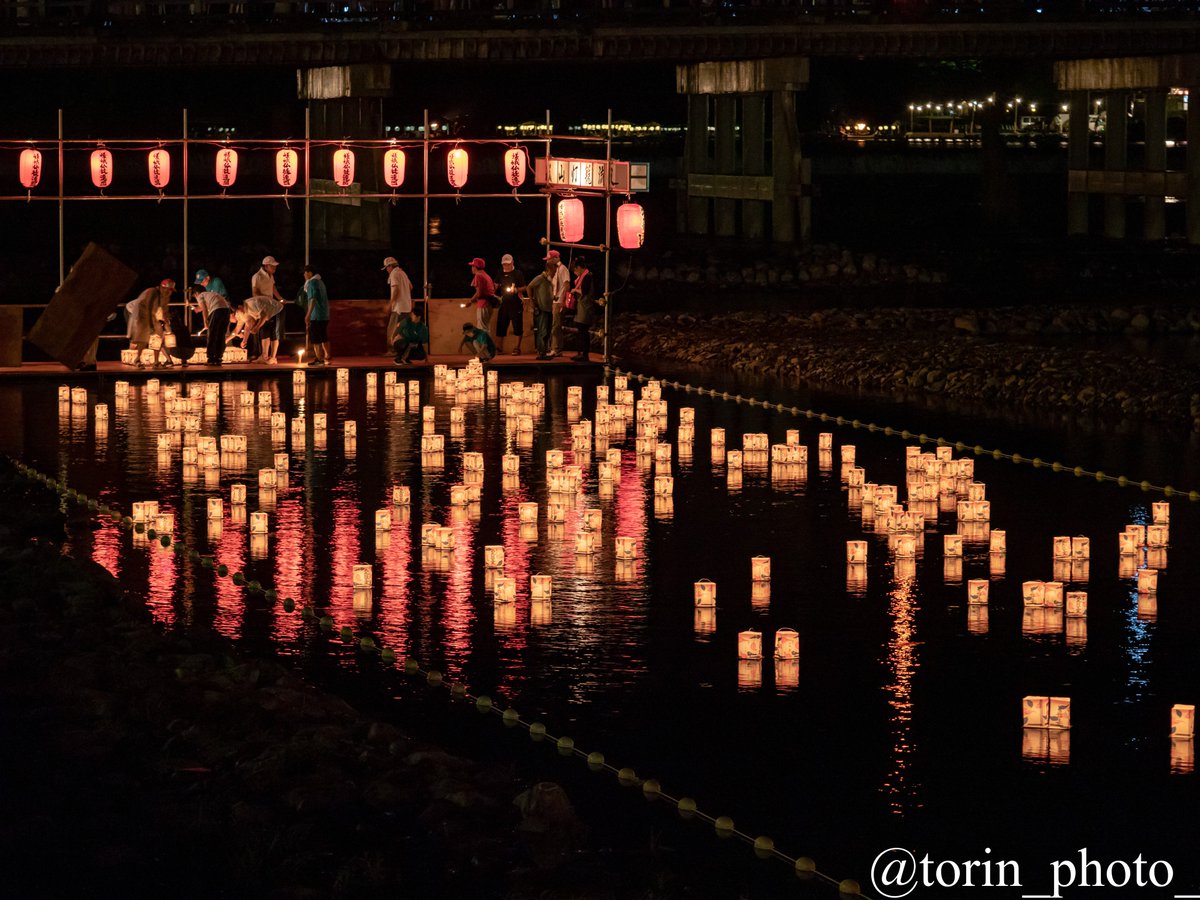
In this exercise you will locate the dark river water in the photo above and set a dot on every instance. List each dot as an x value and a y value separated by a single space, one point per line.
899 726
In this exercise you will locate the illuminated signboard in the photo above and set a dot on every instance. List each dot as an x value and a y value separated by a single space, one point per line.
591 175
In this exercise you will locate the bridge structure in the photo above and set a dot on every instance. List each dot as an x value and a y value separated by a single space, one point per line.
739 72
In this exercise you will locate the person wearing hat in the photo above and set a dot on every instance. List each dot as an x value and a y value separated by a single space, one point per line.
149 318
316 315
478 341
267 304
400 301
513 294
484 296
207 282
583 295
562 287
215 309
541 289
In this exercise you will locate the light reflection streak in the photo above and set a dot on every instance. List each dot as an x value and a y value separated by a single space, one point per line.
898 787
293 565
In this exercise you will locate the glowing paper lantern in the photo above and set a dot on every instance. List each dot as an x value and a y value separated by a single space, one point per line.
287 167
570 220
393 168
31 168
343 168
101 168
158 165
631 225
457 167
514 167
227 167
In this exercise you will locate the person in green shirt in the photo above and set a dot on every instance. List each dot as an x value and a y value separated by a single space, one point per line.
316 315
541 289
480 342
411 338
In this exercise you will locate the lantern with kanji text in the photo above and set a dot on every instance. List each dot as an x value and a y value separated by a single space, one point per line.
393 168
457 167
343 167
31 168
631 225
102 172
514 167
570 220
227 167
158 167
287 167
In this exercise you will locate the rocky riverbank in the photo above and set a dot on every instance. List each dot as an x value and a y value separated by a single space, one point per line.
152 763
1095 360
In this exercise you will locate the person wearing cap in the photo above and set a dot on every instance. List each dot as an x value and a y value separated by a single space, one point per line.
478 341
215 309
400 301
207 282
266 304
583 295
513 294
149 318
541 289
484 296
562 287
316 315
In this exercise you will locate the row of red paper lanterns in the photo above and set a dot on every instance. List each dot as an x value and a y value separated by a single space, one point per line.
287 167
631 218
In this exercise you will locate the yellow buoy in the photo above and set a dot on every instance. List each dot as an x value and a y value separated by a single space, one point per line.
484 704
805 867
537 731
511 717
687 807
651 788
566 746
848 887
595 761
724 826
627 777
763 846
434 678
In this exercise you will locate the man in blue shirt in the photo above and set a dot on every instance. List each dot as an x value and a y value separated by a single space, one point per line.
479 342
316 315
210 283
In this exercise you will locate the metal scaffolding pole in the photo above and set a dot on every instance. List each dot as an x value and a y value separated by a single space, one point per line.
62 260
187 307
607 225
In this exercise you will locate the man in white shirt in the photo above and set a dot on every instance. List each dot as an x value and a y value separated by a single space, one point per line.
562 286
400 302
262 285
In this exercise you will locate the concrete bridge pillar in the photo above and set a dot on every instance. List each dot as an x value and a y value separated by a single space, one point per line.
734 171
1078 149
347 102
1116 158
1154 228
1192 196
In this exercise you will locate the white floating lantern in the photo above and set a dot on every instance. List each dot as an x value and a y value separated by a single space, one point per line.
64 393
401 495
320 421
216 508
164 523
849 454
906 546
998 542
664 485
510 464
153 385
585 542
706 592
237 494
444 538
1147 581
1033 593
626 548
1081 548
1035 712
1183 719
540 587
493 556
527 513
977 592
750 644
1052 594
825 441
258 523
1128 543
856 552
1157 535
267 478
1062 548
281 463
787 644
760 568
473 462
686 434
574 396
350 429
554 459
459 495
79 396
190 456
361 576
145 511
504 589
101 412
755 442
952 546
343 376
556 512
233 443
733 461
1160 513
592 519
383 519
433 443
1076 604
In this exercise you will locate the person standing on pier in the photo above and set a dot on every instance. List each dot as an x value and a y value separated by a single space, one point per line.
562 287
400 301
513 294
262 288
316 315
583 297
542 291
215 309
484 296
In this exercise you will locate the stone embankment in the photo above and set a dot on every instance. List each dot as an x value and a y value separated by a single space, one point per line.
1122 362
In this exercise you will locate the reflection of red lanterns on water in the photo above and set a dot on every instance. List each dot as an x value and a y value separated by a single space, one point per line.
457 166
393 168
631 225
514 167
158 165
101 168
227 166
570 220
343 168
31 168
287 167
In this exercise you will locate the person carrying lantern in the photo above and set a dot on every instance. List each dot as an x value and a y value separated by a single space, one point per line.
478 341
513 294
214 307
148 319
266 304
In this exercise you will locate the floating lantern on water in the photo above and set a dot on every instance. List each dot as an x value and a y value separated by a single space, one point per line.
750 644
662 455
733 461
1076 604
473 462
756 443
264 399
1033 593
258 523
706 592
189 456
592 519
444 538
1081 548
849 454
267 478
1147 581
101 412
64 393
556 512
540 587
433 443
79 396
164 523
527 513
1046 712
952 545
216 508
906 546
493 556
237 494
1183 720
787 644
664 485
856 552
554 459
505 589
760 568
998 542
1052 594
1157 535
585 542
1128 543
459 495
626 548
144 511
977 591
1062 548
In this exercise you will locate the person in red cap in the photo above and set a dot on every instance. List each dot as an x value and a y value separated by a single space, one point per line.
484 296
149 318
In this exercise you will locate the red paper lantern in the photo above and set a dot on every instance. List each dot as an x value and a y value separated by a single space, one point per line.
343 168
570 220
101 168
514 167
457 166
158 164
631 225
31 168
393 168
227 165
287 167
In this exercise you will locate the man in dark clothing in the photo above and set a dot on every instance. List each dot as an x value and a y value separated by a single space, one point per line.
583 292
511 288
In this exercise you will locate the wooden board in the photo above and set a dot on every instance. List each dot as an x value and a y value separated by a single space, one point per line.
96 284
11 333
